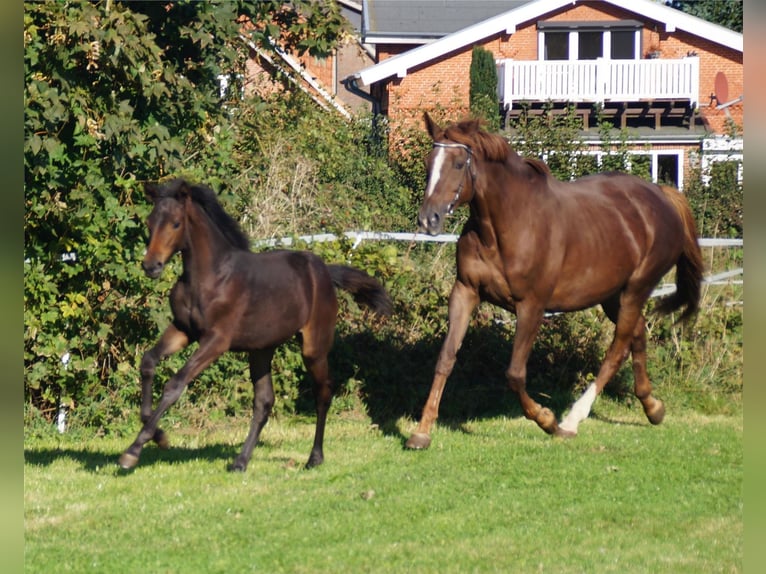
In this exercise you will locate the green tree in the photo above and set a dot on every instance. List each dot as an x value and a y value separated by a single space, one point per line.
483 87
727 13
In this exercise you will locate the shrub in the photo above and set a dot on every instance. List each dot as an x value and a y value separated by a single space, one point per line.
482 94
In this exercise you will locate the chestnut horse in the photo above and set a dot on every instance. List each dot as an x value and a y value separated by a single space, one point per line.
534 244
229 298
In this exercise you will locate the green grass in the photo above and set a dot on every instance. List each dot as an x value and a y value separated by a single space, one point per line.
491 495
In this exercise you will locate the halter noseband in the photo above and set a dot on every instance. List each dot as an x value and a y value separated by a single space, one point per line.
469 155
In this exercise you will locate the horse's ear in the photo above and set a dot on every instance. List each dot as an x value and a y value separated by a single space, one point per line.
183 190
150 191
433 129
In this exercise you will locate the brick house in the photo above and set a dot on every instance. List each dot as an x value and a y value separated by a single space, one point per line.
674 82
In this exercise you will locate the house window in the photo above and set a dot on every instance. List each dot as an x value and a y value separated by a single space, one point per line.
557 46
623 45
613 39
590 45
667 169
663 167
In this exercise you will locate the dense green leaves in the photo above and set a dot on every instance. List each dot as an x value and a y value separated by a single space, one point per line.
117 93
728 13
483 99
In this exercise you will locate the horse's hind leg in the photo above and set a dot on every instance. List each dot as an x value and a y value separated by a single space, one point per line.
317 341
625 312
320 372
263 401
653 407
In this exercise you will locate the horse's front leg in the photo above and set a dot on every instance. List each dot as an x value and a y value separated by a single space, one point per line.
171 341
209 350
462 302
529 316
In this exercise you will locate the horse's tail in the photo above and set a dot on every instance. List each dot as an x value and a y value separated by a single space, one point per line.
689 267
365 290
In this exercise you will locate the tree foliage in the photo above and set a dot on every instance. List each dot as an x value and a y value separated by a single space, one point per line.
727 13
483 99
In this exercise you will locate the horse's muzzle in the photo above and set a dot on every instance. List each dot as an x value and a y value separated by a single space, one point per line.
153 267
431 221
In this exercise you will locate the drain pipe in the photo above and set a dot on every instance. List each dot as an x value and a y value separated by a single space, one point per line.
351 84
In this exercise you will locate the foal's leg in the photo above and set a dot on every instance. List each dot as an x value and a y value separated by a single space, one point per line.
462 301
320 372
528 320
263 401
317 339
209 350
626 312
171 341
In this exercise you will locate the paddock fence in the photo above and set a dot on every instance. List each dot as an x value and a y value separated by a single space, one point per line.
729 277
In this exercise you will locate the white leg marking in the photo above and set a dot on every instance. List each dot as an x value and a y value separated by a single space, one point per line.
580 410
433 177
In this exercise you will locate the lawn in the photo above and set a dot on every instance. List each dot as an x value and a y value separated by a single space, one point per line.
490 495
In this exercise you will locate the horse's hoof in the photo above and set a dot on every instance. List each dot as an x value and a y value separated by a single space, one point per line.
564 433
128 461
418 441
657 414
237 466
161 439
546 420
314 460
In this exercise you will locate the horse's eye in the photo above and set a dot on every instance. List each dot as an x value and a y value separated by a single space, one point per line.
459 165
176 224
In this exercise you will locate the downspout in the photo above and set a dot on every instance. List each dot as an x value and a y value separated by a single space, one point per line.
351 84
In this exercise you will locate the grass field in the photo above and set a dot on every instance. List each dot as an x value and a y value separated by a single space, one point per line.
491 495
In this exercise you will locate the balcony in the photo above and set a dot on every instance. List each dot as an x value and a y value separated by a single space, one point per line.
599 81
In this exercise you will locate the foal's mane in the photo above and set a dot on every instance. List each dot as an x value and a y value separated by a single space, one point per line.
207 200
491 147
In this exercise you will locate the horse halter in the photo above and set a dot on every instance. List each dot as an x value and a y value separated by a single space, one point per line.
467 167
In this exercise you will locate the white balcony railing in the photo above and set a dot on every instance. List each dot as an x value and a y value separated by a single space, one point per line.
598 80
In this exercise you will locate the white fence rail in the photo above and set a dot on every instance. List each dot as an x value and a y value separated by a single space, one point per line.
598 80
724 278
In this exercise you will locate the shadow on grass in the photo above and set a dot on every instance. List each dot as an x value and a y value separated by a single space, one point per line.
395 378
93 461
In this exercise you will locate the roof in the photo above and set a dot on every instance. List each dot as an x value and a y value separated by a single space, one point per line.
506 22
422 21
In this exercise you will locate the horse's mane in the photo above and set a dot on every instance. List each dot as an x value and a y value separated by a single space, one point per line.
207 200
491 147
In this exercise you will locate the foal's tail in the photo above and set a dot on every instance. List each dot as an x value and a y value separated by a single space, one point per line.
365 290
689 267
